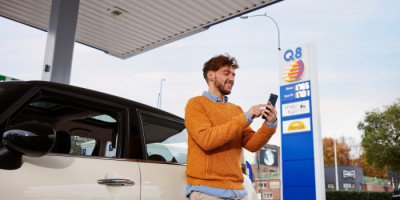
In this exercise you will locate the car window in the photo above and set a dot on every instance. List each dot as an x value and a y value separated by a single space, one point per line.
80 129
166 140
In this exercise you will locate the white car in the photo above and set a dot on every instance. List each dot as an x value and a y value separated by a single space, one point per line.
64 142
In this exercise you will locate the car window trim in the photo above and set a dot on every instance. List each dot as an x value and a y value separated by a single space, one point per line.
144 146
18 106
121 113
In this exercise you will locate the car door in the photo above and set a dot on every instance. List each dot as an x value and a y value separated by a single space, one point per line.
163 174
87 159
69 177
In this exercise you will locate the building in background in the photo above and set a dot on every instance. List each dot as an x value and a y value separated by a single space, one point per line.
352 178
349 177
266 173
376 184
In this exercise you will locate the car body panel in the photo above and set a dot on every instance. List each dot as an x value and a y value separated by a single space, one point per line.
75 176
168 183
69 178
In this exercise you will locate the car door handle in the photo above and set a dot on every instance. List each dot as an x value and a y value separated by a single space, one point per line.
116 182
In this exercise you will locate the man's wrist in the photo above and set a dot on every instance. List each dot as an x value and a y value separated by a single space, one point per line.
249 119
271 125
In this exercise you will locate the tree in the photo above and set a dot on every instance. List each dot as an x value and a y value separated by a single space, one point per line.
368 169
344 157
372 171
381 136
342 152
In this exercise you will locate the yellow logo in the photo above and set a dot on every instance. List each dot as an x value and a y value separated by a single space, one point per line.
296 125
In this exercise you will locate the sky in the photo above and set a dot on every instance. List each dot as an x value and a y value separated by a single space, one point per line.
357 44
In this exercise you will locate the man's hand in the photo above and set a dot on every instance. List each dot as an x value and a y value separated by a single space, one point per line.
258 110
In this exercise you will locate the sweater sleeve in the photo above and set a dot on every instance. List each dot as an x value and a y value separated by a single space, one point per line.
254 141
207 135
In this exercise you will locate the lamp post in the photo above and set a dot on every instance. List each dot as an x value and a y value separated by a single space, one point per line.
260 185
276 24
159 94
336 170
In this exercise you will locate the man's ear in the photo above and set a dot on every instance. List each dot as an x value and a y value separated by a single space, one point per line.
210 76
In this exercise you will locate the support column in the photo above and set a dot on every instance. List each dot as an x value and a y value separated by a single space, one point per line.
60 41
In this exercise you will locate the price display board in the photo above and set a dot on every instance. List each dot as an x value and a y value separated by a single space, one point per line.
302 160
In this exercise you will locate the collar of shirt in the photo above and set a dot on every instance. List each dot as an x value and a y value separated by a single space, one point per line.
215 98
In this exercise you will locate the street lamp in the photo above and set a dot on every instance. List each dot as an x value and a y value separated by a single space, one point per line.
276 24
336 167
159 94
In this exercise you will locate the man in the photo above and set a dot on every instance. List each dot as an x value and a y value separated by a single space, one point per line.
217 132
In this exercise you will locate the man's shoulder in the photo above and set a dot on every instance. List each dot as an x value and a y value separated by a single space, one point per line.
232 104
200 98
234 107
195 103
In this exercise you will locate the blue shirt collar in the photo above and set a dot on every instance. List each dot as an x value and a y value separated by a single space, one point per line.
214 98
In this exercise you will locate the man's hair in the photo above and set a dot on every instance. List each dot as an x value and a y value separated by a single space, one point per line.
216 62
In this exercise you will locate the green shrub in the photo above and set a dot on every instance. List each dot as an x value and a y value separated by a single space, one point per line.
357 195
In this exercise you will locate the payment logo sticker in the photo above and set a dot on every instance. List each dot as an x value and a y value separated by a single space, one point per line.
296 108
297 125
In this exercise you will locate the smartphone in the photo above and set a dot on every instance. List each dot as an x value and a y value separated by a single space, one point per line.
272 98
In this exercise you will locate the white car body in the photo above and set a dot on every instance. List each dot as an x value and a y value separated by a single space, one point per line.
60 177
66 143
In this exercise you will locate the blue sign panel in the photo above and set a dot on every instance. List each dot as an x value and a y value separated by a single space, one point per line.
296 111
295 91
299 193
296 147
110 148
299 173
302 161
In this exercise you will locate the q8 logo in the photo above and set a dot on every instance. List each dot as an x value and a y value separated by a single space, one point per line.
290 55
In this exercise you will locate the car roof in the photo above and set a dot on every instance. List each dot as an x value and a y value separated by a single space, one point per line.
93 94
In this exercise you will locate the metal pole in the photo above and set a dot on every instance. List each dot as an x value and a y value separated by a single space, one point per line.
277 28
160 94
60 41
336 170
260 185
276 24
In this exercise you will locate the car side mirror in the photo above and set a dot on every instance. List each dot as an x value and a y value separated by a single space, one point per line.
32 139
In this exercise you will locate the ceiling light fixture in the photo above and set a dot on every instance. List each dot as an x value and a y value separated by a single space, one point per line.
116 12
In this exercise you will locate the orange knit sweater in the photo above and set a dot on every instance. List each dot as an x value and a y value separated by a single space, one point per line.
217 132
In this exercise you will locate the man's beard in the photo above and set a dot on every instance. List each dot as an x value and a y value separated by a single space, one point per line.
220 87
